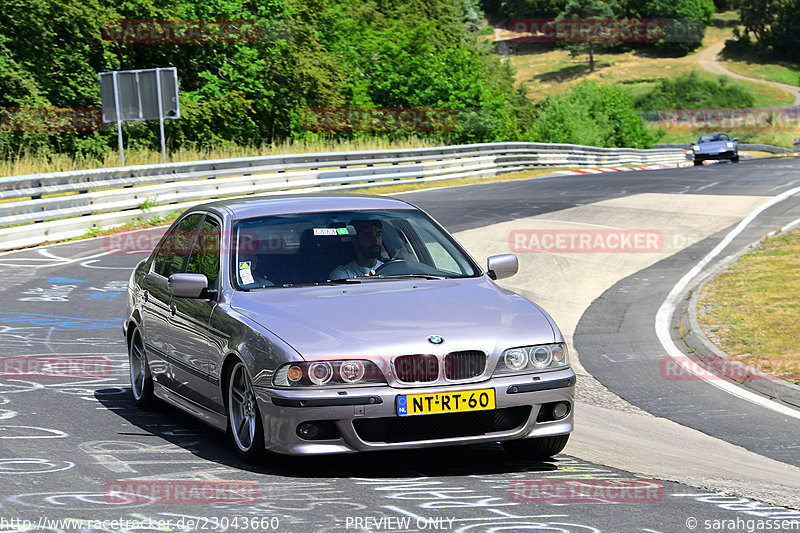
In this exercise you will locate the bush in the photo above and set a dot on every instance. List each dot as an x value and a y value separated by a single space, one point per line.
695 91
594 115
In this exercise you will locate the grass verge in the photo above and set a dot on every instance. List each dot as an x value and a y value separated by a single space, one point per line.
752 310
34 163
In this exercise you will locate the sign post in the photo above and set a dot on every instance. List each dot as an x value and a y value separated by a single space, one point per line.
135 95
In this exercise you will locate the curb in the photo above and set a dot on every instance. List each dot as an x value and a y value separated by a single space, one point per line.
657 166
715 360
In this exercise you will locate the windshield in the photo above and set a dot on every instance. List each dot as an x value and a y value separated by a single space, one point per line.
713 137
340 247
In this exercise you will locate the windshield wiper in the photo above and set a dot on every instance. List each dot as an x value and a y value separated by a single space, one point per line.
401 276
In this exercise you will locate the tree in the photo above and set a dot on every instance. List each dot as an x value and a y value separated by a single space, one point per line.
775 26
579 41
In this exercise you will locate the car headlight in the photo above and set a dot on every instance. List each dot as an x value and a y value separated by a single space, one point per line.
695 148
328 373
531 358
730 145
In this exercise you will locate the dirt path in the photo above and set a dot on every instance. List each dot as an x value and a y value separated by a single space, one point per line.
707 58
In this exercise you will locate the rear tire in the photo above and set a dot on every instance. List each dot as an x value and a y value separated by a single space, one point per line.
539 448
244 419
141 378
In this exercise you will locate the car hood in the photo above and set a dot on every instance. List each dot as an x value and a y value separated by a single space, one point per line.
390 317
716 146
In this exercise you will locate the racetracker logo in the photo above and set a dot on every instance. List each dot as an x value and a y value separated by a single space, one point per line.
586 241
716 367
621 490
181 31
50 119
378 119
749 119
55 367
204 242
605 30
180 491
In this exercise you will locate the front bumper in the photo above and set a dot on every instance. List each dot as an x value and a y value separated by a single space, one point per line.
730 154
366 418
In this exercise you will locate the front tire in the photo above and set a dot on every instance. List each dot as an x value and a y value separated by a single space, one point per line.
141 378
698 163
244 420
540 448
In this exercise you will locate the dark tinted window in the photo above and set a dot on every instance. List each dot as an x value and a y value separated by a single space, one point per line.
205 253
177 246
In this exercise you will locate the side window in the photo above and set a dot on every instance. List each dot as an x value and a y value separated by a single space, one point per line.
205 253
177 245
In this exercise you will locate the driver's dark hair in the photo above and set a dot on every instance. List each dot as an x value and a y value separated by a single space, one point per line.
361 224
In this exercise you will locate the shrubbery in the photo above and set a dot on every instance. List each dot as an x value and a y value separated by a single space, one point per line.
591 114
695 91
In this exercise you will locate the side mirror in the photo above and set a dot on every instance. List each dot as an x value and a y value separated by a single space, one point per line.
502 266
187 285
736 138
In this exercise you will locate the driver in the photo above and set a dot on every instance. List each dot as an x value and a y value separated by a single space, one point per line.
367 243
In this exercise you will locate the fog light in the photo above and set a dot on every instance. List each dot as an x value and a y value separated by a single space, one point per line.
560 410
308 431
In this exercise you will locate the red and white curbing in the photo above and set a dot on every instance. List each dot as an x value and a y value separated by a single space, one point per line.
658 166
600 170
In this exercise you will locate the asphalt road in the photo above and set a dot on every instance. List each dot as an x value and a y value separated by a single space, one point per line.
65 443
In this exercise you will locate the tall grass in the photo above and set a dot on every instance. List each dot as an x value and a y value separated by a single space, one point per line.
34 163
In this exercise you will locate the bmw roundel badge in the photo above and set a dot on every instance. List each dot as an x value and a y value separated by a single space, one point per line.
435 339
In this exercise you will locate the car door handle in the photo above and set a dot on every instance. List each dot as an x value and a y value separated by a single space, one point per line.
172 310
145 296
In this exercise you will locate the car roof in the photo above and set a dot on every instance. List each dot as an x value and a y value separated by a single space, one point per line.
255 206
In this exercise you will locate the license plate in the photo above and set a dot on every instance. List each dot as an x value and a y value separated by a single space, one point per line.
445 402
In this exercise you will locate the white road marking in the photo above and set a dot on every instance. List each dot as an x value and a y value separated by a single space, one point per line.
706 186
670 303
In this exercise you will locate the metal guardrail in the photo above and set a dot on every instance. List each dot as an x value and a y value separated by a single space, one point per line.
46 207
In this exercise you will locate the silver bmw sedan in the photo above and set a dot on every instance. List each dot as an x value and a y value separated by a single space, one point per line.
332 324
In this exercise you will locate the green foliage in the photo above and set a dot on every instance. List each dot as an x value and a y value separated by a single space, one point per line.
591 114
310 53
695 91
680 10
775 26
525 8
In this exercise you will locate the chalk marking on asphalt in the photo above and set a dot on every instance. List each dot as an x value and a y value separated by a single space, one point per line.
775 188
670 303
706 186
